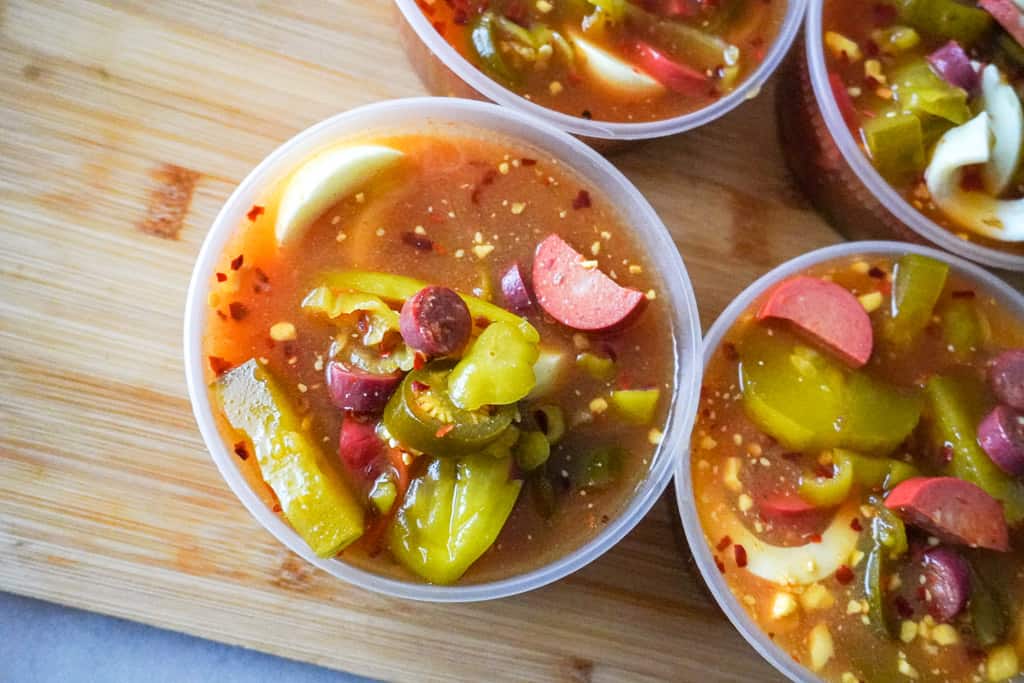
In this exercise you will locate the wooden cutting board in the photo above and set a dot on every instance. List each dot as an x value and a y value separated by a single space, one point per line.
123 127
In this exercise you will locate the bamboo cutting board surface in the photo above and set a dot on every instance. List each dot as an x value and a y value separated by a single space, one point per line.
123 127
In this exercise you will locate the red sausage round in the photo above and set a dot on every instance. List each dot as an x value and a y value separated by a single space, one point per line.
953 510
435 321
359 444
1006 375
358 391
515 291
947 578
1001 435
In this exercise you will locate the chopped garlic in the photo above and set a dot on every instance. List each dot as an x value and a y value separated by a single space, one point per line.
282 332
731 476
841 46
820 646
783 605
817 597
871 301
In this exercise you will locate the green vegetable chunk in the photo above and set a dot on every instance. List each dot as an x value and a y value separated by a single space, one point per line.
988 613
598 367
398 288
597 469
636 405
877 417
422 416
313 497
451 515
917 285
922 92
955 406
383 494
896 145
481 38
888 543
825 492
532 450
946 19
496 370
965 328
877 473
551 420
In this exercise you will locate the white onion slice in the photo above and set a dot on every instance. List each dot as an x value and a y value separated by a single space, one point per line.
614 73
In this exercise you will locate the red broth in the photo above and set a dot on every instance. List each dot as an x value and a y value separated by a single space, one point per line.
457 213
678 56
878 60
759 481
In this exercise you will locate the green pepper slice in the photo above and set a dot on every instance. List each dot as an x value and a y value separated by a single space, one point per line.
917 285
946 19
888 543
877 473
496 370
896 145
920 91
955 406
313 497
452 514
597 469
598 367
636 405
399 288
422 416
989 620
965 329
877 417
481 39
825 492
532 450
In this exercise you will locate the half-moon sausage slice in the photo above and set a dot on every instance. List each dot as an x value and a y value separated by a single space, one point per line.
953 510
947 578
1007 378
1001 435
358 391
576 293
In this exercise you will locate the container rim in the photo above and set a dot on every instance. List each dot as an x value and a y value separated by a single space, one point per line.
685 498
862 167
420 114
576 125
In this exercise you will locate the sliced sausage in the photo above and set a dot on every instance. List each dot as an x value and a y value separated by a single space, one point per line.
359 391
514 289
435 321
947 582
825 312
359 444
1001 434
953 510
952 63
576 294
1006 375
1008 15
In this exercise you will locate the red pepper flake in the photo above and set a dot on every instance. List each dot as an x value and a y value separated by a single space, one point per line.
238 310
236 262
419 386
490 175
719 564
418 241
221 277
219 365
439 27
730 352
255 212
444 431
241 451
482 322
741 555
587 114
418 361
582 200
723 544
605 519
964 294
277 507
856 525
528 162
844 574
876 272
220 314
815 538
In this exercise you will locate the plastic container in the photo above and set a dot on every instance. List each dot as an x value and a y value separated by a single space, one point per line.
445 72
835 173
439 115
699 546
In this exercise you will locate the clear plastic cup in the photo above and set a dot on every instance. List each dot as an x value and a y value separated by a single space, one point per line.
441 115
835 173
685 498
445 72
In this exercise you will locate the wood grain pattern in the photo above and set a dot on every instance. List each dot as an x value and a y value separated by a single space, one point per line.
108 499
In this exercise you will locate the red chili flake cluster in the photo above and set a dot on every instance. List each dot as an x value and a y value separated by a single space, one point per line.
255 212
844 574
730 352
856 525
482 322
964 294
582 200
418 241
418 361
238 310
221 277
444 431
241 451
219 365
723 544
528 162
815 538
719 564
876 272
262 283
237 262
741 555
488 178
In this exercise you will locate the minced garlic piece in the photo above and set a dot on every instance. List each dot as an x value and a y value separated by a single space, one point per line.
944 634
598 405
817 597
744 502
483 250
908 631
282 332
820 646
731 475
783 605
654 437
518 208
904 667
543 6
871 301
841 46
1002 663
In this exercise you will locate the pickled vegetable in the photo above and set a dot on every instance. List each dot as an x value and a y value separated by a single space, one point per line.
964 328
828 491
598 367
946 19
422 416
637 406
917 286
312 495
532 450
896 145
451 515
485 46
877 417
922 92
597 469
496 370
952 404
